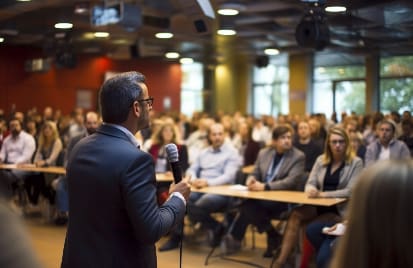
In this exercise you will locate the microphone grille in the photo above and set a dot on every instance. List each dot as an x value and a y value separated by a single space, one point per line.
172 152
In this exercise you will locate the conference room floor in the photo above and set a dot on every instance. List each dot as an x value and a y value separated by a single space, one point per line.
48 242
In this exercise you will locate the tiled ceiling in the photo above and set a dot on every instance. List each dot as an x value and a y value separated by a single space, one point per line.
378 26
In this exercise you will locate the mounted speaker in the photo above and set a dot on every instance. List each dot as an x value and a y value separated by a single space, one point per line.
313 32
262 61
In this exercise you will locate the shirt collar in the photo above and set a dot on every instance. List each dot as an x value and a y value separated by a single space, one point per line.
129 134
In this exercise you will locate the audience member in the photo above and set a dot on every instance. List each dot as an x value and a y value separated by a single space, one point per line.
15 246
17 148
166 134
248 148
278 167
4 132
198 140
92 123
48 150
215 165
386 146
307 145
379 233
333 175
407 134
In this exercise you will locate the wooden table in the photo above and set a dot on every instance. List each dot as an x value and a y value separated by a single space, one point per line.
277 196
160 177
33 168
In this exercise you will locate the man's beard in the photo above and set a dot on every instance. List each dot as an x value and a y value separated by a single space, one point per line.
91 130
143 121
15 133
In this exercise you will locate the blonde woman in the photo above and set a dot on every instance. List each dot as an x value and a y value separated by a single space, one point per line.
332 175
379 230
48 150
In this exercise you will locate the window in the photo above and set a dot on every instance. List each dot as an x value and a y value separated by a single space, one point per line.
192 88
339 89
396 84
270 90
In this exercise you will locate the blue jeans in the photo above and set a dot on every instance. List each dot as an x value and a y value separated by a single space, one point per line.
62 195
200 207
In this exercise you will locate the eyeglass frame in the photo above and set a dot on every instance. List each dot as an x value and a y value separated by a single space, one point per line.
148 100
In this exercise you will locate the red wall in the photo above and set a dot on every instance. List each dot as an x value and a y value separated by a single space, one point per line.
57 87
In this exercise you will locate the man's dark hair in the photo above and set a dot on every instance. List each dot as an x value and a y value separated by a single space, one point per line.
281 130
117 95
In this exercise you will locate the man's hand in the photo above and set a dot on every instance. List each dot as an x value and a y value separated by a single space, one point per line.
182 187
254 185
200 183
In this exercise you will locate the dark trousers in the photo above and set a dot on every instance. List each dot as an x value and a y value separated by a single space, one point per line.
256 212
322 243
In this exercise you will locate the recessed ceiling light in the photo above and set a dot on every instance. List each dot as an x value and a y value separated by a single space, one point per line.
63 25
101 34
335 9
228 12
186 60
82 9
226 32
271 51
1 39
172 55
164 35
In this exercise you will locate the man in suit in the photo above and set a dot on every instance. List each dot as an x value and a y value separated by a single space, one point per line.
278 167
114 217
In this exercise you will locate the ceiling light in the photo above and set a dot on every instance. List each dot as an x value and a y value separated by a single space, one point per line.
164 35
335 9
81 9
228 12
230 9
24 0
226 32
186 60
63 25
101 34
271 51
172 55
1 39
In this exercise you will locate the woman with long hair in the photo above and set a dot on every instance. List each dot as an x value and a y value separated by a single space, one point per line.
332 176
48 151
379 230
165 134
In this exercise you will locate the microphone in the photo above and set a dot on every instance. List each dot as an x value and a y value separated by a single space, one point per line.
173 159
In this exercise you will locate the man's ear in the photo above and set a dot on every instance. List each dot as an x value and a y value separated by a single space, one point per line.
136 109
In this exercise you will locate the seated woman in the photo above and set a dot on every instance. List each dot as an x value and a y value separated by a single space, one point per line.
48 150
379 229
322 236
167 133
333 175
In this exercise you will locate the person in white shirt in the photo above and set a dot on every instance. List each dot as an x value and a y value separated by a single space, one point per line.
17 148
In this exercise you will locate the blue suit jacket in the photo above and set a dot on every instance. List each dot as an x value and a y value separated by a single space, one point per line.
114 217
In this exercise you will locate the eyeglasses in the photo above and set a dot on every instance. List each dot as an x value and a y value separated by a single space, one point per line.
339 142
148 100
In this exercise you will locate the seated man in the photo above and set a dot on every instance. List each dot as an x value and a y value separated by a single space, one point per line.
386 146
278 167
215 165
92 123
17 148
